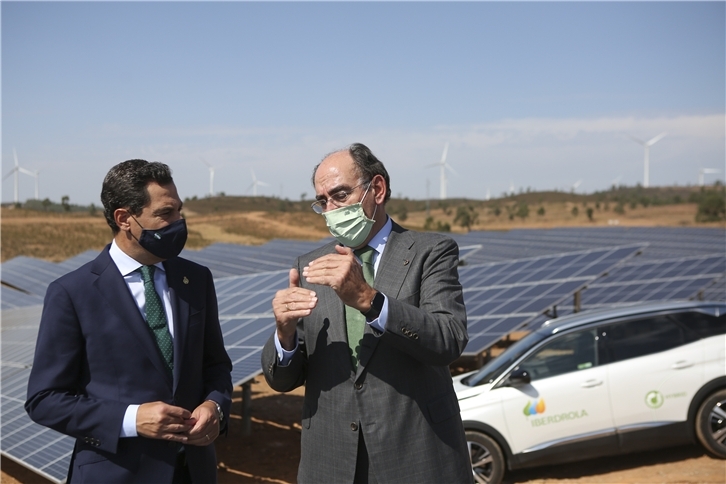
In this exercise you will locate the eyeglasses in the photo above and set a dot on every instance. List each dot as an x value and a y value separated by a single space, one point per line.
337 198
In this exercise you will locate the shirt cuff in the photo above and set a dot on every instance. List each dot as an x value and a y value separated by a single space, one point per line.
380 322
284 356
128 429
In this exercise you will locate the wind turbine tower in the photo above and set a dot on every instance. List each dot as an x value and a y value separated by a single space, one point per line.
16 171
646 161
442 167
256 183
211 178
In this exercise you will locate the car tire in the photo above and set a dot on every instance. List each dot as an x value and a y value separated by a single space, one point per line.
711 424
487 459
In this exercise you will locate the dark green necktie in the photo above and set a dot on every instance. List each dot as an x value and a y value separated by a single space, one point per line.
156 316
354 319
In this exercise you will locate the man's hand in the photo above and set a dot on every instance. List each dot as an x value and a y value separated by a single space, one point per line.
206 428
343 273
289 305
158 420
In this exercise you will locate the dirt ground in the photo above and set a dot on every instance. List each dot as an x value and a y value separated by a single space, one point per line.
272 451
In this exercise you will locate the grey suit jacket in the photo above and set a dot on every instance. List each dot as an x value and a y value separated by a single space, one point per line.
401 394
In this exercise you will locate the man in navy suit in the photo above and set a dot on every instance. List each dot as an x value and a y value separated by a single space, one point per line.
130 359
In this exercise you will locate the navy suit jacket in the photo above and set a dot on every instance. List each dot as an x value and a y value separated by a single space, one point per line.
95 355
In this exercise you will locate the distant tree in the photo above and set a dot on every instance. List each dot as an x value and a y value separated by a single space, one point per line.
711 206
46 203
589 212
443 227
541 211
575 211
522 210
92 210
65 204
429 223
633 204
619 208
402 213
496 210
466 217
303 196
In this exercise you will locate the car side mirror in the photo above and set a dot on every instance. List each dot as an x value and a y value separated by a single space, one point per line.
519 377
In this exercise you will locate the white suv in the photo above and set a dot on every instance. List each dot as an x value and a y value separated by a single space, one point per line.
600 383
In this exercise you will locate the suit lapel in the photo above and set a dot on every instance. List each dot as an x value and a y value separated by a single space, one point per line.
179 296
115 292
390 276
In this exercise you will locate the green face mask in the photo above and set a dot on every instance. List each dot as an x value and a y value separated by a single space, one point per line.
349 225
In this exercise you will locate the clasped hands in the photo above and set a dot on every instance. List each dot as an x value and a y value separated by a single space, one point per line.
159 420
341 271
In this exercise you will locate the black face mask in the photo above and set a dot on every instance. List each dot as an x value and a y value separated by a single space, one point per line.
166 242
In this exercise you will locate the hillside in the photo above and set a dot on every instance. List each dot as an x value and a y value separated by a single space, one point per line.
57 235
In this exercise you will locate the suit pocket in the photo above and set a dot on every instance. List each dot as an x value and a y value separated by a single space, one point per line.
443 408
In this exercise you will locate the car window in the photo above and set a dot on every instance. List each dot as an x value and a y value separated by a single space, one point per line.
564 354
703 325
641 337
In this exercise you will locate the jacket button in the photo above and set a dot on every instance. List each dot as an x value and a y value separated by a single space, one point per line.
354 426
358 386
415 336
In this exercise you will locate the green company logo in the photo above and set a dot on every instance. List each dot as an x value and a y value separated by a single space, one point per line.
654 399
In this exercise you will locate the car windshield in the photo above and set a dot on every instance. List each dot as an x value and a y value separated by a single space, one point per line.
498 365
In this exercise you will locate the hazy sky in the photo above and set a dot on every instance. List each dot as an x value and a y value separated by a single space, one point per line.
537 95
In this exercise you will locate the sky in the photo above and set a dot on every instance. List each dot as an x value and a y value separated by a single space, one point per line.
536 96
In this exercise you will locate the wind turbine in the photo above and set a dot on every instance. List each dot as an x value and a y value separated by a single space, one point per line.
646 147
443 166
575 185
19 169
703 171
256 183
211 177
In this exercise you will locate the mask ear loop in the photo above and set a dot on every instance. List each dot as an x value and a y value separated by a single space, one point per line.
137 223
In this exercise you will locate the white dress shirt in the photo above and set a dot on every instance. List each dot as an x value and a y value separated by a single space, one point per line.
128 266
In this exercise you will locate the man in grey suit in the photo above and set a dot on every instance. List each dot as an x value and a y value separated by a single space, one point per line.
369 324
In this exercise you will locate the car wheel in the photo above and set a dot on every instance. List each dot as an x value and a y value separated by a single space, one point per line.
487 459
711 424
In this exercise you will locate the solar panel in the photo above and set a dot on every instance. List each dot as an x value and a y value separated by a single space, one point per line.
501 297
43 450
665 280
30 275
16 299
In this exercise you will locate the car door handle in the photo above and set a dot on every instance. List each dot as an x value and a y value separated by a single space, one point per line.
591 383
679 365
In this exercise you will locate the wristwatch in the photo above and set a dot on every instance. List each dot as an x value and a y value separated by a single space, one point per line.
220 413
376 307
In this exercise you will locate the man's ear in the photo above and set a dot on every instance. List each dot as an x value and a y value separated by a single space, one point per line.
379 185
122 217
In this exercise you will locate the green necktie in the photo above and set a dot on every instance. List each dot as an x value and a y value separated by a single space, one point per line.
354 319
156 316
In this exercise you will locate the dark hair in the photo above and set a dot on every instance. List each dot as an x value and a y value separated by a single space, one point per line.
366 164
125 187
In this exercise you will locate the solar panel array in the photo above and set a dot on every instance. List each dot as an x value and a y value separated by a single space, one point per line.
503 296
509 279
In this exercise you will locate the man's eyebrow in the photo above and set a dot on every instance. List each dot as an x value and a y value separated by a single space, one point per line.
333 191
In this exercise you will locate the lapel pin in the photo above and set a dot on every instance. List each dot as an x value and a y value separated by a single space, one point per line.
185 280
405 262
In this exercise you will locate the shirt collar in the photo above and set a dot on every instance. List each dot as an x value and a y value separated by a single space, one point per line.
125 263
379 240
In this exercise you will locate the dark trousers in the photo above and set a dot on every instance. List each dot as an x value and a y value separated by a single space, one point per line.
181 470
363 472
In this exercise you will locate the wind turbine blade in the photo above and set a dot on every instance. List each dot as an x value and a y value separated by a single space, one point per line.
656 139
9 173
451 169
639 141
261 183
26 171
15 155
443 156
